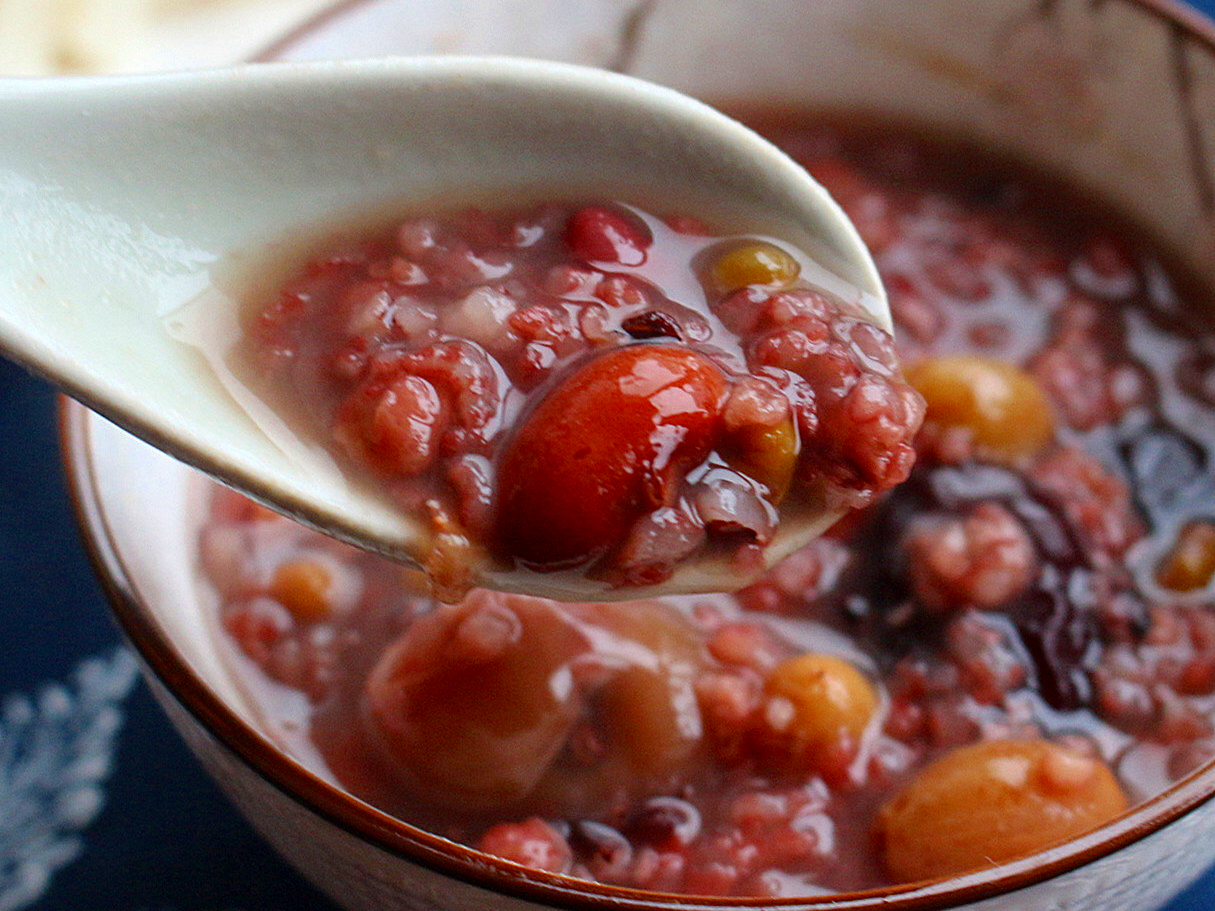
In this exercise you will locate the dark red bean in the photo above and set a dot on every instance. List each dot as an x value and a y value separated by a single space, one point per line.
666 823
651 324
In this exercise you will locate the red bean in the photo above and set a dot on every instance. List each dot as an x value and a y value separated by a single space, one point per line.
532 843
600 234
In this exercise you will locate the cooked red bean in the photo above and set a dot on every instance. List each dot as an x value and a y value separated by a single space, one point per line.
532 843
601 234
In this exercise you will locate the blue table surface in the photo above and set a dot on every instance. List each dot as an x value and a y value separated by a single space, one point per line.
101 806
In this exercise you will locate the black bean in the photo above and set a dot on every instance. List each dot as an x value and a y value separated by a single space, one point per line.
1061 639
606 853
665 822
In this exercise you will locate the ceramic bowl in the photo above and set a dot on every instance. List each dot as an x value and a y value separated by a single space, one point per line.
1117 96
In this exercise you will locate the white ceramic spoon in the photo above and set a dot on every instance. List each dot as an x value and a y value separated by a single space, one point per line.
119 195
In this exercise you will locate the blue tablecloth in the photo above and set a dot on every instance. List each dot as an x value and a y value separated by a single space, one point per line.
101 806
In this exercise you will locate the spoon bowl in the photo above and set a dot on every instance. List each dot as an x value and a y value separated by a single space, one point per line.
124 195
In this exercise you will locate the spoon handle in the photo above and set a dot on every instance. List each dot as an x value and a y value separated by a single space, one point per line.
120 194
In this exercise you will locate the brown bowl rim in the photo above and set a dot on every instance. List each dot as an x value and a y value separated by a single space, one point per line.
413 845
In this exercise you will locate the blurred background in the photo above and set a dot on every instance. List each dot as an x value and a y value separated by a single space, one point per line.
40 37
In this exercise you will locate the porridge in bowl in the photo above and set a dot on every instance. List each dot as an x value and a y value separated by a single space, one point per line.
1001 653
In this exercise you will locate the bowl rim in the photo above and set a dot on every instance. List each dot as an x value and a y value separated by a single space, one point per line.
311 793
